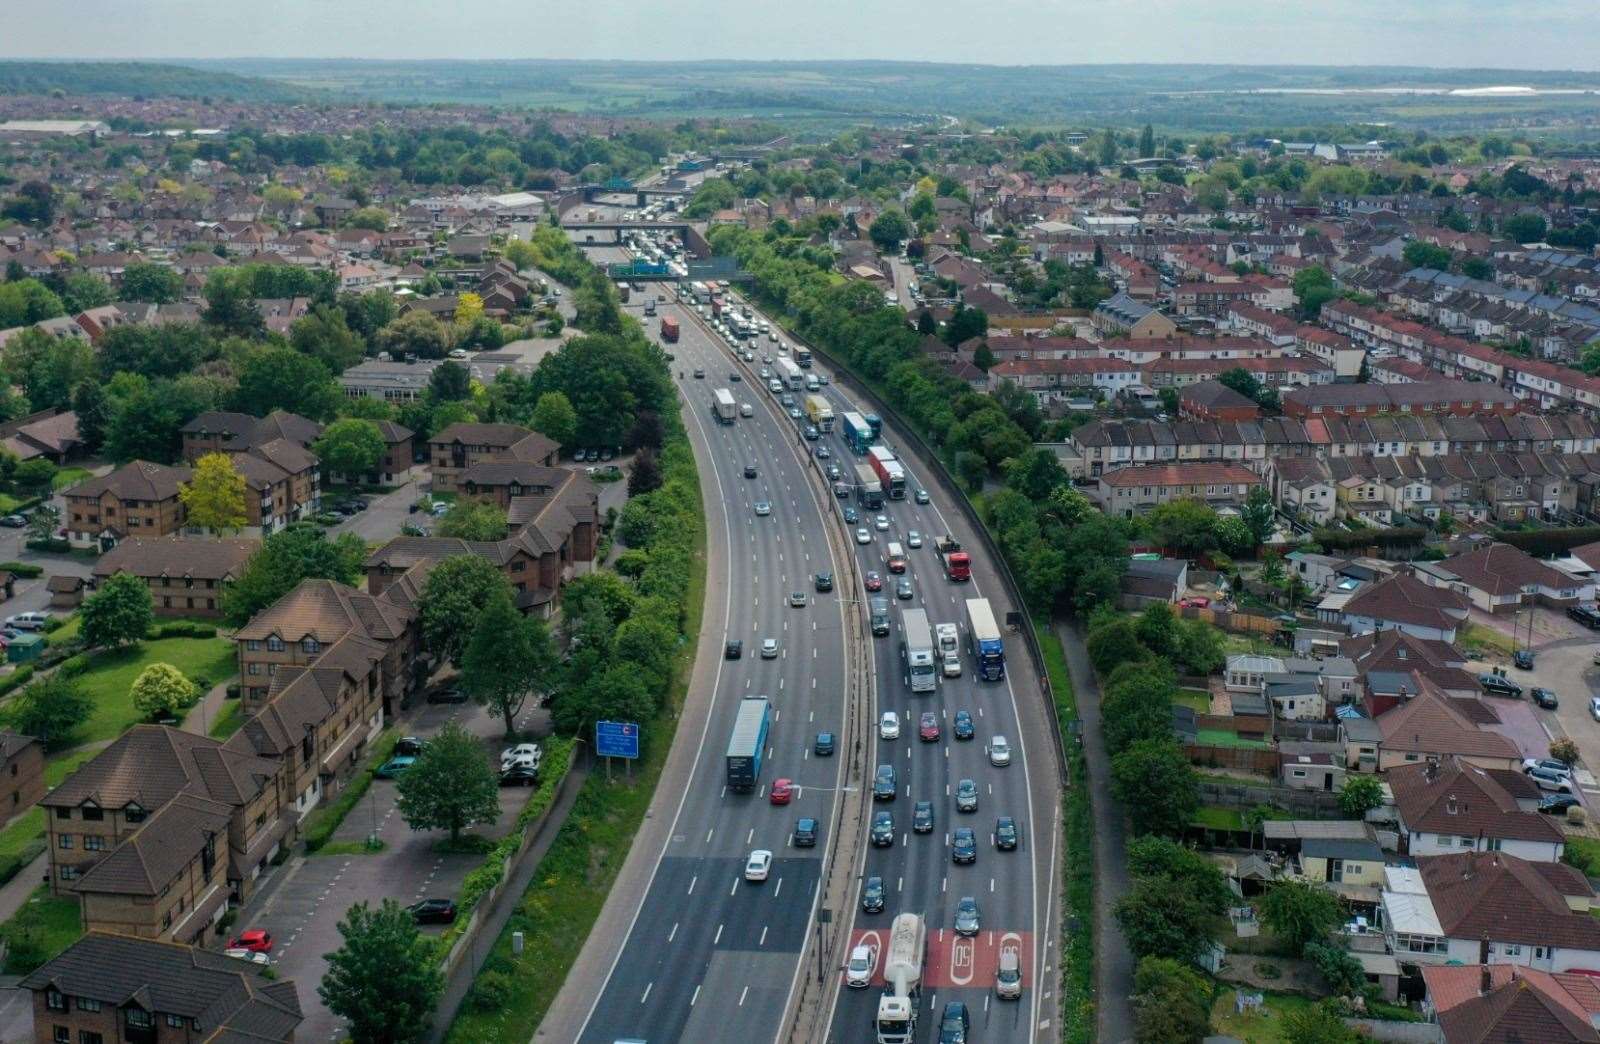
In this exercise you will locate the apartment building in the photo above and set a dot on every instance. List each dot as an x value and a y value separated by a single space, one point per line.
139 499
187 576
460 446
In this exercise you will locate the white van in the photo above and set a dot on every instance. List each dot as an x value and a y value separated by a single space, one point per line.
746 410
811 382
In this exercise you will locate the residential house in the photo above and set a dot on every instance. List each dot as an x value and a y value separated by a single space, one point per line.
1511 1003
1458 398
21 773
1402 601
1499 578
138 499
1350 867
1453 805
187 576
1431 726
1121 315
50 434
1130 491
1214 401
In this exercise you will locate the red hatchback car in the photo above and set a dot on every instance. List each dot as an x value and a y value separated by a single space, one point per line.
928 727
874 582
256 940
782 791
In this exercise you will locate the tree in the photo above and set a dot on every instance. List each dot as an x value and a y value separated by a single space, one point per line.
119 613
214 497
1157 628
163 350
50 710
1156 784
371 218
449 382
1313 288
1319 1023
1114 642
34 204
1564 750
163 691
927 325
350 447
1171 1001
1418 254
1525 228
1360 795
89 403
43 521
285 559
554 417
1200 648
323 335
34 476
1233 536
1300 912
1477 268
470 519
283 379
415 333
646 474
457 590
383 978
1138 708
152 283
508 657
1258 514
231 305
887 230
1186 526
1160 917
450 786
1147 142
1343 972
469 306
85 290
1162 857
1108 148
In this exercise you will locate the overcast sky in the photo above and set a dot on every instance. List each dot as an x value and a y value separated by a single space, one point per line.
1530 34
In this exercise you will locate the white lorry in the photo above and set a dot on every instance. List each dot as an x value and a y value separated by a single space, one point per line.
949 646
902 974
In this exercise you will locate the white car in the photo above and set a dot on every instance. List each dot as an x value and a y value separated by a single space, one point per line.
1594 707
889 726
1560 768
880 523
913 539
758 865
858 970
999 751
239 953
769 648
863 536
31 621
528 754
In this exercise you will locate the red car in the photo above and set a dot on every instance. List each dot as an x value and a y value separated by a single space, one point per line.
782 791
874 582
1197 602
256 940
928 727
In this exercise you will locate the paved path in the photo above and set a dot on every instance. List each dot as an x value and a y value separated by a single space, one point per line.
1113 961
19 888
201 716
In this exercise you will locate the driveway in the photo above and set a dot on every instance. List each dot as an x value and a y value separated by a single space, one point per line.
1565 667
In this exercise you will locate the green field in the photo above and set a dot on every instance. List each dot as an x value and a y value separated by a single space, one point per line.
111 674
44 927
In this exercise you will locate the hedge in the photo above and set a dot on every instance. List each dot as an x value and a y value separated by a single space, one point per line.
54 545
25 570
1542 543
18 678
181 630
1353 539
319 831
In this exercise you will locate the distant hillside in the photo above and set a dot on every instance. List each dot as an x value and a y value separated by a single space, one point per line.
146 79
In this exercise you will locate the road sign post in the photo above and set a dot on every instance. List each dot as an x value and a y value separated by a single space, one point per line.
617 739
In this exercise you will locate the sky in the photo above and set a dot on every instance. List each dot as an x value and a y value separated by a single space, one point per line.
1525 34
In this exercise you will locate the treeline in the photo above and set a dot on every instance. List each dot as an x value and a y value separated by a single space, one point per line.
140 79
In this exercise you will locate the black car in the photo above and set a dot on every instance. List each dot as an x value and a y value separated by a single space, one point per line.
1557 804
1499 685
883 784
734 376
733 650
519 776
450 695
1546 699
922 817
700 375
433 911
805 833
882 829
749 471
824 581
954 1024
872 896
1005 834
410 745
824 745
964 845
1523 658
1585 615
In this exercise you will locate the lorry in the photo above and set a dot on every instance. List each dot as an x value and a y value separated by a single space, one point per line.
723 406
869 491
956 562
856 431
919 649
987 648
902 980
948 640
748 743
802 357
669 328
623 292
890 472
819 412
789 374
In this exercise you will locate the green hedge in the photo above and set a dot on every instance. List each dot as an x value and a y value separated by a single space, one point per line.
54 545
25 570
327 819
1354 539
181 630
18 678
1542 543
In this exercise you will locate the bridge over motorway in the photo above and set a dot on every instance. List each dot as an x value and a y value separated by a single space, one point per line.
694 241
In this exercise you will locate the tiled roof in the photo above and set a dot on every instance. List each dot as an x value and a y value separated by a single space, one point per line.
136 480
326 610
1404 599
1429 724
1501 569
1569 1001
1199 473
1496 896
177 557
147 861
1456 797
149 765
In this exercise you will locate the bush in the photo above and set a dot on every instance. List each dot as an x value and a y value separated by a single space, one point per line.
1388 539
492 991
181 630
53 545
23 570
21 676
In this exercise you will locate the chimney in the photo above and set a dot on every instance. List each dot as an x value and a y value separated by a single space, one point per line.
1485 978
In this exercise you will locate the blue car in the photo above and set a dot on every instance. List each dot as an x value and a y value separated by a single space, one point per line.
963 727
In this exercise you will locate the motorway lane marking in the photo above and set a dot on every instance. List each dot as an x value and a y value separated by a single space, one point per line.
742 996
674 933
735 889
709 833
692 881
778 889
763 941
718 938
695 997
647 988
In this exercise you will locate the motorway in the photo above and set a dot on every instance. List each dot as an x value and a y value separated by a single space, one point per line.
715 973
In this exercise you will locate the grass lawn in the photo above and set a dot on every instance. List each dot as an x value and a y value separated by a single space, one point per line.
111 675
1199 702
1583 853
21 842
228 721
50 923
1215 817
1263 1027
1478 640
8 503
1224 738
70 476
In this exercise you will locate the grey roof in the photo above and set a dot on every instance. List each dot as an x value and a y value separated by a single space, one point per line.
1341 848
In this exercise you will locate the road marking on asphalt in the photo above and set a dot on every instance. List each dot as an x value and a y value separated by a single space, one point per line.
718 937
763 941
647 988
709 833
778 889
742 996
695 997
695 878
674 933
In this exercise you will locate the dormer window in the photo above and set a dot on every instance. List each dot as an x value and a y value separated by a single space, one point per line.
93 813
309 645
133 812
275 644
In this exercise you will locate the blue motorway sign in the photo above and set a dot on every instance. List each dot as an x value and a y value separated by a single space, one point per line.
616 739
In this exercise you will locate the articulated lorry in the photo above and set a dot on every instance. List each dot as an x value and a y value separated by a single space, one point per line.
819 412
919 649
902 974
956 562
869 491
748 743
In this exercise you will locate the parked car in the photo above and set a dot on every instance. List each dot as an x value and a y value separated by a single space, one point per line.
522 753
1586 615
1557 782
447 695
1499 685
14 521
1594 707
410 745
1560 768
256 940
1194 602
1523 659
31 621
1545 698
247 955
392 768
1557 804
520 776
433 911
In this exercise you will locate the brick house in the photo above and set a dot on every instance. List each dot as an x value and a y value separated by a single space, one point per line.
282 484
21 773
1135 490
1215 401
219 431
458 447
1404 602
107 987
187 576
1501 579
138 499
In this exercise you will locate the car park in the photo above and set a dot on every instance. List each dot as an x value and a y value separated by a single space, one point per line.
433 911
782 791
797 599
824 746
966 796
1545 698
769 648
922 817
999 751
872 895
928 727
964 845
1005 834
858 969
823 582
758 865
889 726
733 650
883 784
872 581
968 919
763 509
882 829
805 832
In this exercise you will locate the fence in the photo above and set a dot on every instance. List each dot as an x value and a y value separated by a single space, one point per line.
1238 623
1305 731
1306 804
1259 760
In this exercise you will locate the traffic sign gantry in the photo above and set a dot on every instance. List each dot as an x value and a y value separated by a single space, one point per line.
616 739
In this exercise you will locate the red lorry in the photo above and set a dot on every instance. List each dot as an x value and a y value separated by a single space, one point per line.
669 328
957 563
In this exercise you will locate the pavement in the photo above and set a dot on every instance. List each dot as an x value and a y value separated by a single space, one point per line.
1114 963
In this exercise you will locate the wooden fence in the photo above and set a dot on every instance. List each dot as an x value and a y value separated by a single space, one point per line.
1263 761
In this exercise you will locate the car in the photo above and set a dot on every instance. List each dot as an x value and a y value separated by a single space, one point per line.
872 896
1560 768
410 745
834 474
850 516
750 471
1499 685
913 539
769 648
1523 659
256 940
963 727
842 490
922 817
1587 615
858 969
1008 974
882 829
782 791
758 865
1545 779
811 434
954 1023
822 378
964 845
966 796
1194 602
920 496
889 726
699 374
1594 707
928 727
1557 804
765 373
823 582
458 353
520 775
31 621
447 695
794 413
883 784
245 955
392 768
1545 698
733 375
824 453
999 751
797 599
1005 834
825 745
433 911
805 832
14 521
521 752
863 536
902 588
763 509
733 650
872 581
880 523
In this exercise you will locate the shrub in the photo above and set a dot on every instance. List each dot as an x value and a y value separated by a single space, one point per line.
24 570
492 991
21 676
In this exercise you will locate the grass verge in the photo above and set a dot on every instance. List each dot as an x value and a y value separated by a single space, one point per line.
21 842
228 721
109 678
1077 964
325 820
38 932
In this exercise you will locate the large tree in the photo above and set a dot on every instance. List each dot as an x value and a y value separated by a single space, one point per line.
456 592
152 283
231 304
1300 912
350 447
285 559
118 614
383 978
1162 917
163 350
1258 514
470 519
324 336
554 417
415 333
1156 784
508 658
283 379
888 229
163 691
1171 1002
450 786
214 497
50 710
449 382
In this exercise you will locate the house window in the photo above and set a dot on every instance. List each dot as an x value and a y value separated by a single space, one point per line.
139 1019
275 644
253 645
1494 844
88 1004
133 814
69 873
309 645
1541 952
1467 842
93 843
175 1021
1298 773
92 814
55 1000
90 1037
63 813
65 841
61 1035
